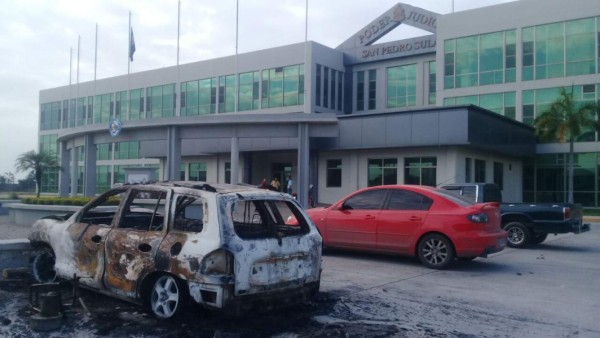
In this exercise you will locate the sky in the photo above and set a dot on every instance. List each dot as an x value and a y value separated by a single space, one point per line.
39 40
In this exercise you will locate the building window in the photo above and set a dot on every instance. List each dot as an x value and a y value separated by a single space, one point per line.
248 97
136 104
198 171
127 150
227 172
121 105
500 103
80 118
420 170
103 108
360 91
227 94
325 87
468 169
382 171
283 86
103 180
432 83
160 101
402 86
50 115
104 151
334 173
318 86
479 171
199 97
372 89
499 174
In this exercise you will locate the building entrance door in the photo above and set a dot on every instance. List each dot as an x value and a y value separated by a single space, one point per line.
281 171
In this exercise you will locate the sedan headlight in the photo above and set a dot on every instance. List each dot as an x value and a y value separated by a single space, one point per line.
478 218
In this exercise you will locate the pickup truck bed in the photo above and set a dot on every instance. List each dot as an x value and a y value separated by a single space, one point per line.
526 223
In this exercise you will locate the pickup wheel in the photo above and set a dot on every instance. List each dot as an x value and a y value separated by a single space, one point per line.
538 238
518 234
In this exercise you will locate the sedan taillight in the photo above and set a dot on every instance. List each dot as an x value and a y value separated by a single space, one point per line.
218 262
481 217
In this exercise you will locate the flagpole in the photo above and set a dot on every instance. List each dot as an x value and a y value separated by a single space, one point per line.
306 65
178 28
96 53
78 53
177 84
71 67
129 46
237 20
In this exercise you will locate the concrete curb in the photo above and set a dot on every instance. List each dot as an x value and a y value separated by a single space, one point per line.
15 253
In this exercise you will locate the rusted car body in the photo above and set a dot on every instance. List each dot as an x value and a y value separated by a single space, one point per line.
227 247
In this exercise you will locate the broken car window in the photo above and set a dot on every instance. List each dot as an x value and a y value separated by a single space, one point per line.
189 214
144 210
267 219
103 210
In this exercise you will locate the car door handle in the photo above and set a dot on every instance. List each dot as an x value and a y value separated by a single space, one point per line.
96 239
369 217
144 247
415 219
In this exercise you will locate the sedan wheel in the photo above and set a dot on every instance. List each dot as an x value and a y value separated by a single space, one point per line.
167 296
435 251
43 267
518 234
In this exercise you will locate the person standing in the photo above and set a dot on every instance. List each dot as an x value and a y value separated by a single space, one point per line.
275 183
290 184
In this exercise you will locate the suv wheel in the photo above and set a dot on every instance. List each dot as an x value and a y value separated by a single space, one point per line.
167 296
518 234
42 266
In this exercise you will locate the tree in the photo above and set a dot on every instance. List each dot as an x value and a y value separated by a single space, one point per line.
565 121
38 163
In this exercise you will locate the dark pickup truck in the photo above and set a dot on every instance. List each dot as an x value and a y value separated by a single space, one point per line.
525 223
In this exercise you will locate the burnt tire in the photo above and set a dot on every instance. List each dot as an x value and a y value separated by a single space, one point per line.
538 238
167 297
435 251
518 236
42 267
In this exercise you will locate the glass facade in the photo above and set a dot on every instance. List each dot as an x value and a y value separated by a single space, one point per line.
480 60
103 108
560 49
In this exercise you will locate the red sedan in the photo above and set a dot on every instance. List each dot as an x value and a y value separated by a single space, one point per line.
432 224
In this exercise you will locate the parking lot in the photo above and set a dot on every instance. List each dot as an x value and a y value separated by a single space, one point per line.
551 290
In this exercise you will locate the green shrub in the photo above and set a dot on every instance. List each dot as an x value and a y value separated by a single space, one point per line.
79 201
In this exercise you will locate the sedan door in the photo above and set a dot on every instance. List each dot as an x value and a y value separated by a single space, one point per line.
401 220
354 223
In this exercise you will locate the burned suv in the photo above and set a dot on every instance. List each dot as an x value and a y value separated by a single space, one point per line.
228 247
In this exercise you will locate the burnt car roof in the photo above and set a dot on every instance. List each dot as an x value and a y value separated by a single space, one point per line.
219 188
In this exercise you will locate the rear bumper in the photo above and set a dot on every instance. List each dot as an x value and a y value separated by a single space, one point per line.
480 244
571 226
220 297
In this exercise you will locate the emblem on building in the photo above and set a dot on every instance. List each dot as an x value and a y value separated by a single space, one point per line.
114 127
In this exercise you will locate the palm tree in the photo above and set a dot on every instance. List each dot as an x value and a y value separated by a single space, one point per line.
38 163
566 120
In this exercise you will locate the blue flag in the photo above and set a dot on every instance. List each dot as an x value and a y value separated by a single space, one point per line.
131 46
